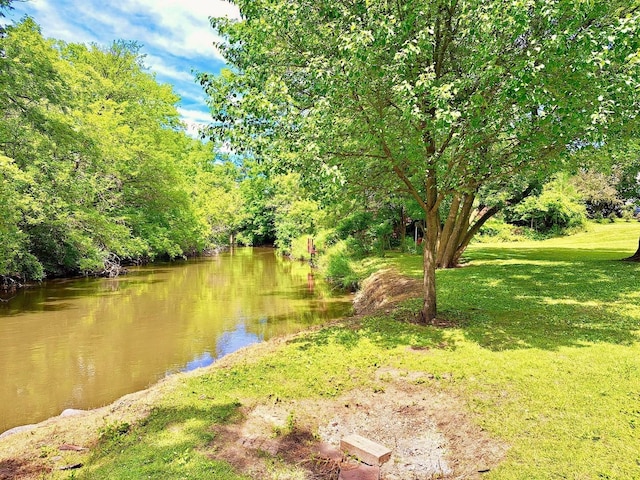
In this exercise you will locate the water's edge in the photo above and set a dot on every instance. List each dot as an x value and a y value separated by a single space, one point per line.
83 343
166 383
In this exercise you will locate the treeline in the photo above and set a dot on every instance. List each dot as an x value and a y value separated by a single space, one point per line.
96 167
464 107
97 170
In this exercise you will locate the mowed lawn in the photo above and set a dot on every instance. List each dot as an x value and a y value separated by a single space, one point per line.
545 353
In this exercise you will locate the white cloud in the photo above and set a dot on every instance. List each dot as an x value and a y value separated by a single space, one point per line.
56 22
195 115
183 25
194 120
177 26
171 9
159 66
176 36
195 96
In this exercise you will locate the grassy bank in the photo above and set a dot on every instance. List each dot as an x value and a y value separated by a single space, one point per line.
543 354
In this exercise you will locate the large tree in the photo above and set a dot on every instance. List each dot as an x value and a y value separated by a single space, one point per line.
94 162
460 104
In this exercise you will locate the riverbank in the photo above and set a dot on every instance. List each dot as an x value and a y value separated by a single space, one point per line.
532 374
44 449
87 342
396 408
267 437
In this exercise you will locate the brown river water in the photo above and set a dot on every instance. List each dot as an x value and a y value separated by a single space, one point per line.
83 343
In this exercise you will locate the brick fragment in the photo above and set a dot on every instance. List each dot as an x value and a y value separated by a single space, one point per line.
365 450
359 471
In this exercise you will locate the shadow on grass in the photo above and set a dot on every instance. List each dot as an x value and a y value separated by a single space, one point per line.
556 254
16 469
385 331
162 445
515 298
544 298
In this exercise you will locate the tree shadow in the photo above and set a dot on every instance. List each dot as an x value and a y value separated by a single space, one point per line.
162 444
384 330
545 298
12 469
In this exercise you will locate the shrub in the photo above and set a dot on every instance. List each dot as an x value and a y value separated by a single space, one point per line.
355 225
366 233
598 194
628 213
556 209
497 230
410 246
340 273
321 240
298 218
336 267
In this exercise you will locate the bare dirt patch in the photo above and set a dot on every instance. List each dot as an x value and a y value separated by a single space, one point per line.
14 469
428 432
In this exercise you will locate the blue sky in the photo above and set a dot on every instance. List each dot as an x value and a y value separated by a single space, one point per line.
176 36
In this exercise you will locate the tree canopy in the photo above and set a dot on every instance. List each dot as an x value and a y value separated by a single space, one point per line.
96 166
459 104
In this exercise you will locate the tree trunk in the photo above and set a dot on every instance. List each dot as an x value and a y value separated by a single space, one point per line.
430 250
403 229
450 245
485 215
447 230
460 235
636 256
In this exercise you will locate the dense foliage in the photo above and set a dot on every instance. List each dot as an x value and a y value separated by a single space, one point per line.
461 105
95 164
378 154
559 206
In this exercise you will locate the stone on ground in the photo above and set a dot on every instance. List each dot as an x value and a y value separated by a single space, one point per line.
365 450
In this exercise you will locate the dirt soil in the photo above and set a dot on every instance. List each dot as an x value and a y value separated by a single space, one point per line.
428 431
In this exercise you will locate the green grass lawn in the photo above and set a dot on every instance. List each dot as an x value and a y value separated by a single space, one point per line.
546 355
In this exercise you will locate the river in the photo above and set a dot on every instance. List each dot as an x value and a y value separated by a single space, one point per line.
83 343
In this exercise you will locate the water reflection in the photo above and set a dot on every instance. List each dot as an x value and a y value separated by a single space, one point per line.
200 361
83 343
229 342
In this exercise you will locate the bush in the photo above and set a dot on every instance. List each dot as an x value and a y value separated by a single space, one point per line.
410 246
628 213
497 230
598 194
321 240
382 233
336 268
29 267
555 210
340 273
355 225
298 218
357 248
366 233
